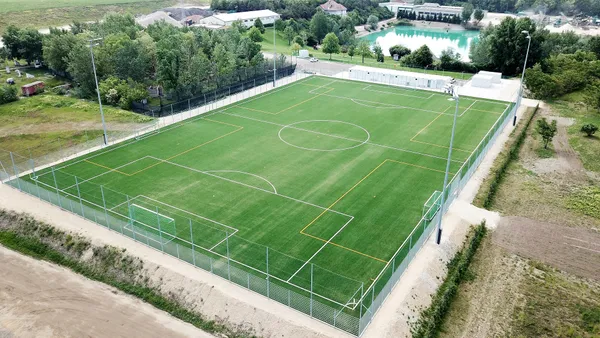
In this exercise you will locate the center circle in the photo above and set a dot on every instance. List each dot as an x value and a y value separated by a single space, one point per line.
295 126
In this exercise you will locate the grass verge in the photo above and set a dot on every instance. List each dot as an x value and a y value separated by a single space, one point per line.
487 193
109 265
432 318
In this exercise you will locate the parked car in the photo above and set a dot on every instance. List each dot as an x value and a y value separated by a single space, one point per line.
314 60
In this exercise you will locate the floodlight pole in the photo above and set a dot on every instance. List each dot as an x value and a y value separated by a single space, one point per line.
92 44
274 57
523 74
441 210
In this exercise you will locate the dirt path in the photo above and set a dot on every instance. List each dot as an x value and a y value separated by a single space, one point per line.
574 250
68 126
39 299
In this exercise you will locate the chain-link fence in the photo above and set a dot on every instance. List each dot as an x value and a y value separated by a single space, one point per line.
329 297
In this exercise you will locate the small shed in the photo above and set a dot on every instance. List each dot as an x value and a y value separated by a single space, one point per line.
32 88
496 77
481 81
303 53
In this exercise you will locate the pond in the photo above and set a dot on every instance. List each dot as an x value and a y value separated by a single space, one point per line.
437 39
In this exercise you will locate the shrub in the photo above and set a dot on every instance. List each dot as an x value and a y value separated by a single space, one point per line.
8 93
589 129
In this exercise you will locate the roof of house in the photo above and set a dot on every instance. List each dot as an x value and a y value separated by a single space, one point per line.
332 6
194 18
229 17
157 16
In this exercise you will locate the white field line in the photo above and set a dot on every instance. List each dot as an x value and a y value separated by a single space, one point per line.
104 173
138 234
253 187
216 253
223 240
190 213
120 204
469 107
321 248
153 212
260 96
399 94
581 240
339 137
243 172
584 248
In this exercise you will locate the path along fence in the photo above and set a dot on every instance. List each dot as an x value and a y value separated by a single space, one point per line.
333 299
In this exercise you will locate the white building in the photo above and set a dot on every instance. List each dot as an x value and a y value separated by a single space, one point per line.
428 8
333 8
399 78
247 18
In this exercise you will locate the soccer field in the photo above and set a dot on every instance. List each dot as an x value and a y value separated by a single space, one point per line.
330 175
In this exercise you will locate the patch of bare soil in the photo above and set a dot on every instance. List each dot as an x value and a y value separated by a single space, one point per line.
575 250
565 164
42 128
39 299
484 307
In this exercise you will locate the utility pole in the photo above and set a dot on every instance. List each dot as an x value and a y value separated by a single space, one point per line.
94 42
522 74
274 57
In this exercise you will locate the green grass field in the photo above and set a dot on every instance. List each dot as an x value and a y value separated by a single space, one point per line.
329 174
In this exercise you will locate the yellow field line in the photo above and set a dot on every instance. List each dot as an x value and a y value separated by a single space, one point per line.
256 110
194 148
344 195
430 123
105 167
418 166
339 199
345 248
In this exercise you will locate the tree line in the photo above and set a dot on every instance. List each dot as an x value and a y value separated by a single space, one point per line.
128 58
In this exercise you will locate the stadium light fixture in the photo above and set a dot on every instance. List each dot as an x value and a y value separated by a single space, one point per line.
439 222
528 36
93 43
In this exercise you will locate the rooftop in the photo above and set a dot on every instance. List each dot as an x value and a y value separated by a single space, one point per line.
331 5
227 17
401 73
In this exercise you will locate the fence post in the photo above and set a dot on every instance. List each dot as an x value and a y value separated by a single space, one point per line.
31 164
189 106
311 288
227 243
130 216
162 248
268 293
55 186
79 195
192 240
37 185
360 302
12 159
105 211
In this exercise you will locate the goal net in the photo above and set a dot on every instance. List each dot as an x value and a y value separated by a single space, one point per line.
151 223
432 205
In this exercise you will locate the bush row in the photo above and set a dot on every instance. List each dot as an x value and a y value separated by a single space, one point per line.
432 318
513 154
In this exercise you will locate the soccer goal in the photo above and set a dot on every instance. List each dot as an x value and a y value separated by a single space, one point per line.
432 205
151 224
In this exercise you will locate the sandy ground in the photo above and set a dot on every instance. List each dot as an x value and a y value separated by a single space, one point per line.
40 299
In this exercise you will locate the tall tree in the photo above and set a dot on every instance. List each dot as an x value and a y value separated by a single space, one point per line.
546 130
289 34
363 49
254 34
373 21
23 43
56 50
467 11
258 24
478 15
331 44
319 25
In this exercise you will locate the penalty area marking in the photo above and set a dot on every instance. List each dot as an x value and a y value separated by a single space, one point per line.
246 173
291 126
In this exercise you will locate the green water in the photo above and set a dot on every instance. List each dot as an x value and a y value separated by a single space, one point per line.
437 39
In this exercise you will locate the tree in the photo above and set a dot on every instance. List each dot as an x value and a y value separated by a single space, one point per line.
8 94
373 21
331 44
478 15
378 52
589 129
132 61
364 50
56 50
351 51
399 50
467 11
594 45
298 40
421 57
592 95
546 130
279 25
258 24
23 43
295 48
254 34
239 26
319 25
289 33
449 59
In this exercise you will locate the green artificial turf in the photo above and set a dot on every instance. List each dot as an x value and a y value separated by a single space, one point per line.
330 175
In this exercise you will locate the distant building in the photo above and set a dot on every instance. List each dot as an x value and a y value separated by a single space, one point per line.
428 8
157 16
247 18
333 8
